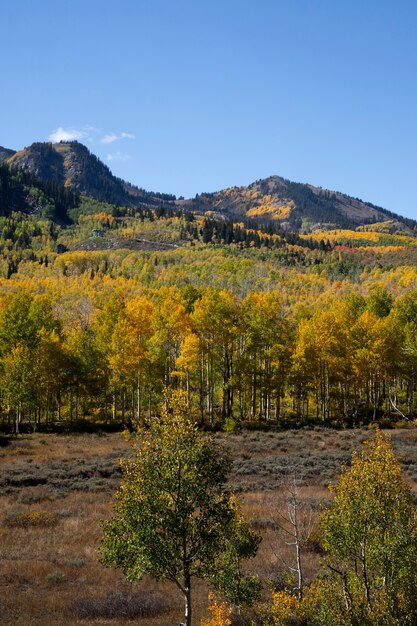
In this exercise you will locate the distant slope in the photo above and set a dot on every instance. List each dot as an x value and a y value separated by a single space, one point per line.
295 205
21 192
5 153
74 166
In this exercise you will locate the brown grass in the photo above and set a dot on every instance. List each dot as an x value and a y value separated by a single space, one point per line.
56 489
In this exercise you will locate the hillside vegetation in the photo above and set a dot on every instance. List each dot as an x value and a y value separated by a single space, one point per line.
257 325
103 306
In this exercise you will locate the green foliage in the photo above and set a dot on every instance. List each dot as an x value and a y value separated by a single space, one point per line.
380 301
174 517
21 191
370 534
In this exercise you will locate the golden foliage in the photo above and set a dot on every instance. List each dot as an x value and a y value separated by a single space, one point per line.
283 608
31 519
220 612
364 238
101 218
272 209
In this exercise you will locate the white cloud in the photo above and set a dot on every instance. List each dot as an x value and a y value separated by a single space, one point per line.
67 134
109 138
118 156
88 133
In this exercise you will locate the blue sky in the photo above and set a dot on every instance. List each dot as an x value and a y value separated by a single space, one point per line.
192 96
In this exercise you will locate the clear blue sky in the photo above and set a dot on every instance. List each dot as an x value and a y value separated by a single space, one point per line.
188 96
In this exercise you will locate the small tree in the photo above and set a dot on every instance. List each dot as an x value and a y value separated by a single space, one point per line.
370 534
298 524
220 613
174 517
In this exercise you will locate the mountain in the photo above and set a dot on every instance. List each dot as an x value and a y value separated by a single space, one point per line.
5 153
295 205
72 165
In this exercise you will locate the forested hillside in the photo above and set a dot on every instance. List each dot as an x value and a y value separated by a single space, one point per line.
24 193
258 325
72 165
103 306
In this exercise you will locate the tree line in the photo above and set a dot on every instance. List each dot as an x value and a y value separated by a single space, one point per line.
254 359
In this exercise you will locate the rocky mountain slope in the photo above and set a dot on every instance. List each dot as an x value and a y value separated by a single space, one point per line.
294 206
5 153
74 166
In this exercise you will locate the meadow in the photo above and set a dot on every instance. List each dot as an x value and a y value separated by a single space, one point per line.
55 489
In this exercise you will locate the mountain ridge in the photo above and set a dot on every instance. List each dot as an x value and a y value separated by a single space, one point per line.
72 165
297 206
294 206
5 153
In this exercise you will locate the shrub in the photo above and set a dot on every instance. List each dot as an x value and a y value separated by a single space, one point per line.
55 577
30 519
283 609
75 562
220 613
120 605
34 495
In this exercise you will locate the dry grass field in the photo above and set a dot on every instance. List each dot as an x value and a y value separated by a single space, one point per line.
55 489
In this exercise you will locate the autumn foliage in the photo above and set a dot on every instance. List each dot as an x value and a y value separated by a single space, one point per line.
220 612
369 535
108 353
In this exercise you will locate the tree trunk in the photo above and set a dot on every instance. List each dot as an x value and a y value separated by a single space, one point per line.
139 399
188 388
71 406
300 581
187 600
18 419
253 395
202 389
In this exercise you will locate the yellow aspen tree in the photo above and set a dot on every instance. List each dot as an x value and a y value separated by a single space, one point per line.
370 535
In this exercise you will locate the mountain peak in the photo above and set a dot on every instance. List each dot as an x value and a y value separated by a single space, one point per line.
72 165
298 205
